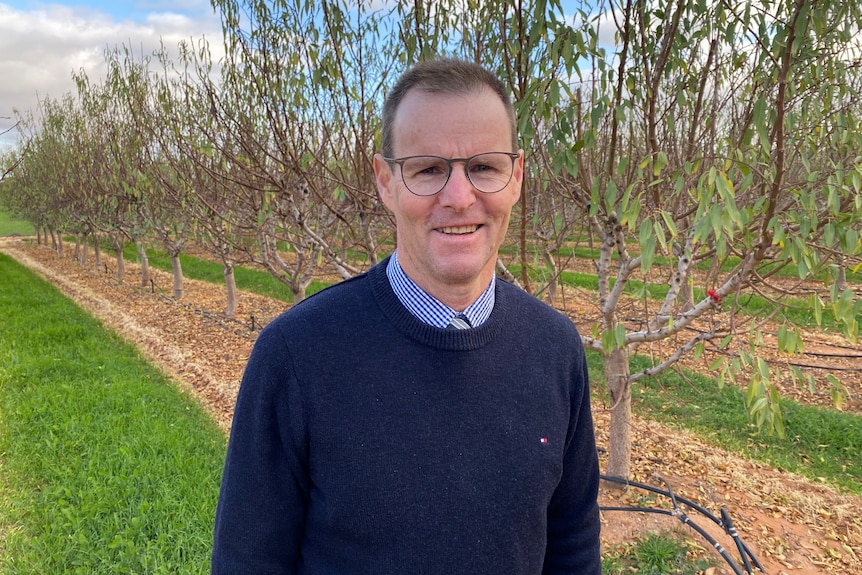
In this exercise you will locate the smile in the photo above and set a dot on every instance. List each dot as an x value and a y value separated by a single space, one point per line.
457 230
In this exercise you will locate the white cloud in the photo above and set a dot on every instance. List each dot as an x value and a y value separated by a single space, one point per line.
41 48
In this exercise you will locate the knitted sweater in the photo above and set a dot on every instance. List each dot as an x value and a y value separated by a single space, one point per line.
367 442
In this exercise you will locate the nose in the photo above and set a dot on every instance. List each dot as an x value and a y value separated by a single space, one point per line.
459 192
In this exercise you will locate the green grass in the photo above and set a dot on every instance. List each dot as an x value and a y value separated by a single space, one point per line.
667 553
247 279
10 226
821 444
106 466
578 247
797 312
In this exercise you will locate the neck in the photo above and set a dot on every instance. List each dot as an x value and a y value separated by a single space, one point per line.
457 295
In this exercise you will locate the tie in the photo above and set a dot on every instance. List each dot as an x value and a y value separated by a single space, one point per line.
460 321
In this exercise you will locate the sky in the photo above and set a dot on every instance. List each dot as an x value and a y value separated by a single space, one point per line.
43 42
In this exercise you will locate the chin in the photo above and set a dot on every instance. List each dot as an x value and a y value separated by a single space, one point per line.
461 272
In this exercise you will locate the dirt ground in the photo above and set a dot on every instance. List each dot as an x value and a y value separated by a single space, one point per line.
791 524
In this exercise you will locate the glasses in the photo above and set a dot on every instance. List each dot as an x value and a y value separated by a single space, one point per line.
427 175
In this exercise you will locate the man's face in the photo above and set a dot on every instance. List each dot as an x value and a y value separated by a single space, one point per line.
448 242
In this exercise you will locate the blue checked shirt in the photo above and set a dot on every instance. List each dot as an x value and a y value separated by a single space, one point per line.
429 309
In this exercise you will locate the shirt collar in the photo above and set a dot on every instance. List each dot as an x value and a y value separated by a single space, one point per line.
429 309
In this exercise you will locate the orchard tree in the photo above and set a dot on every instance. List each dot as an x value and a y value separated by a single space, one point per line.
302 85
45 184
718 135
148 106
113 166
196 167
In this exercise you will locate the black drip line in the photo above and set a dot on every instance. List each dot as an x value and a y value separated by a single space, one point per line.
745 554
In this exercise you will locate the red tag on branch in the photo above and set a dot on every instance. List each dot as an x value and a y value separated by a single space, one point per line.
713 295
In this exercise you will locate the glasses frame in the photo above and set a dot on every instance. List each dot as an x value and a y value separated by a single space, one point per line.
449 161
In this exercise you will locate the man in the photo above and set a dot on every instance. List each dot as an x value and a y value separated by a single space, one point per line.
369 438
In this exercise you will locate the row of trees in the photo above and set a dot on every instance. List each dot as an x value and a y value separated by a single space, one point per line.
720 136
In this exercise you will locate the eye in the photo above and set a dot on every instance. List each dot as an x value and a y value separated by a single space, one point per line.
425 166
489 164
432 169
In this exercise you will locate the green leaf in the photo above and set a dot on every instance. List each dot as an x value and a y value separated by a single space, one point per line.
763 368
843 306
620 335
611 192
669 223
659 164
851 241
837 391
789 340
660 236
646 237
554 94
608 341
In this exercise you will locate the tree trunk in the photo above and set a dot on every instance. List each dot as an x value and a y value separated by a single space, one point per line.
145 264
522 243
77 253
686 295
298 295
841 279
371 242
97 253
121 262
85 249
617 372
554 275
230 289
60 248
298 288
177 269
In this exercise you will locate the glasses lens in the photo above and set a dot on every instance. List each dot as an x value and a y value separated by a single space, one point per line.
490 172
425 175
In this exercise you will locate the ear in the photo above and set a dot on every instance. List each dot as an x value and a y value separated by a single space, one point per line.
385 178
518 177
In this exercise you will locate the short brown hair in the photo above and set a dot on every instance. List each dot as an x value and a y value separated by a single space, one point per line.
443 76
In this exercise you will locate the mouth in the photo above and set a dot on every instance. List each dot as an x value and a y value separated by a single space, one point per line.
458 230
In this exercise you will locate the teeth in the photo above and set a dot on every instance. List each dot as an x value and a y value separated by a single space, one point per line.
459 230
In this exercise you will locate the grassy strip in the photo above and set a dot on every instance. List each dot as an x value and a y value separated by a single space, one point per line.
10 226
796 311
821 444
247 279
107 466
580 251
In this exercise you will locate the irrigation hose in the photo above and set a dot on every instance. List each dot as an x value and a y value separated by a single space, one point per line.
725 523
